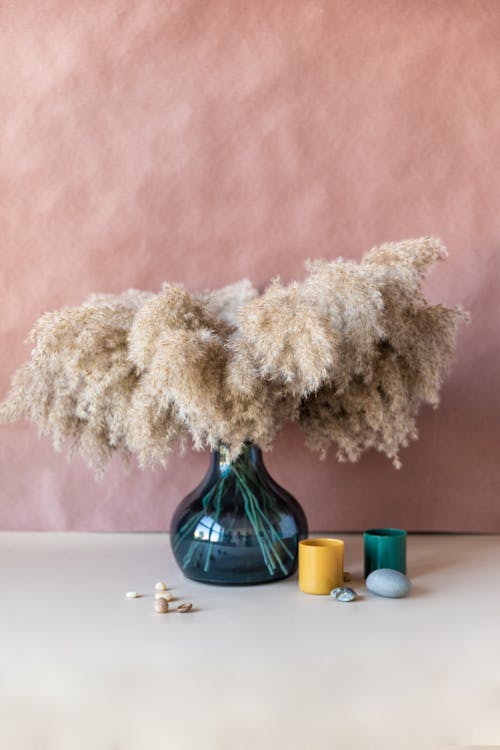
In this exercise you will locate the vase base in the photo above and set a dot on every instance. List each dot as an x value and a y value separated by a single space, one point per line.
240 582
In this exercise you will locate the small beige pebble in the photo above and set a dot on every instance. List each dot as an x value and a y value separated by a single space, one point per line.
160 586
186 607
161 595
169 596
161 605
132 595
347 576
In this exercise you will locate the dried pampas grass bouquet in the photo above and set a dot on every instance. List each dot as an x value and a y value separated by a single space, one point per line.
350 353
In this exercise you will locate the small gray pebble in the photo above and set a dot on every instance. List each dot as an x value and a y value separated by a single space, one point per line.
389 583
343 594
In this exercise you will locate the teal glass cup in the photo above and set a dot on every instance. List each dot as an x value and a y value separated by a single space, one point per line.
385 548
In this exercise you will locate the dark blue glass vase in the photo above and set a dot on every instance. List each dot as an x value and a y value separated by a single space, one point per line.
238 527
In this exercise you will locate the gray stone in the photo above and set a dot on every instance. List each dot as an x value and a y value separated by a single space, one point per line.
343 594
389 583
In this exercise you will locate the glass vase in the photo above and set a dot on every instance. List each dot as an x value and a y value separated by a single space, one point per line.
238 527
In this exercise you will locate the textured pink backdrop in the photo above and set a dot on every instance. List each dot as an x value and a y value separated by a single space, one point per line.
206 141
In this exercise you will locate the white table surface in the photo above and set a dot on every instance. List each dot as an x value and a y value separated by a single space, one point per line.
251 667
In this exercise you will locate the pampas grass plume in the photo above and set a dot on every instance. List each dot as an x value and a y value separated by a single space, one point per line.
350 354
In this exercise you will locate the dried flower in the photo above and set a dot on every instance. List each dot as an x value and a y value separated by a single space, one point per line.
350 353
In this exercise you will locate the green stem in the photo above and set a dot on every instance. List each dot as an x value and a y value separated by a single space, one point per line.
189 554
193 522
262 535
277 538
188 526
273 531
267 559
218 496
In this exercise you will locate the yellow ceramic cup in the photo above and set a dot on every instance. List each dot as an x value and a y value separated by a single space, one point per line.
321 565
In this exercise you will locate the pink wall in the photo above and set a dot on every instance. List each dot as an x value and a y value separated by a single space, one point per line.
206 141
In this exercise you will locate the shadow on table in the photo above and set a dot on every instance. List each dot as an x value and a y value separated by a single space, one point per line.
431 565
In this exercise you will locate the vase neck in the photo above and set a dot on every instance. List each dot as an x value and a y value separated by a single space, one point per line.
222 458
251 456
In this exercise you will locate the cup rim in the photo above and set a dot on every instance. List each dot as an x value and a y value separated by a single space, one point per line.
322 542
385 533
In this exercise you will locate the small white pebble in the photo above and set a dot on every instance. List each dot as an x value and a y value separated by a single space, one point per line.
160 586
132 595
161 595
